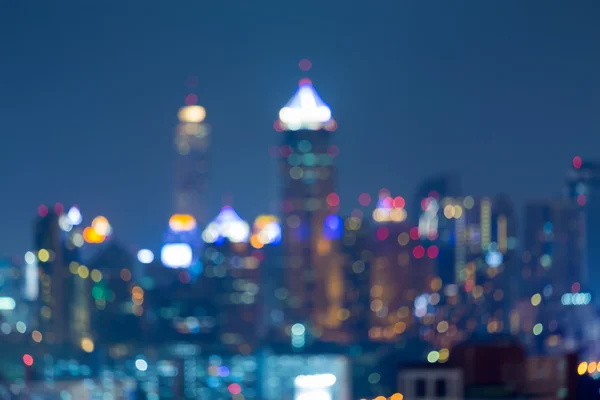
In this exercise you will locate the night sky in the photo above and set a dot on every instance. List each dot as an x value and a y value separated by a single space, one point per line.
505 93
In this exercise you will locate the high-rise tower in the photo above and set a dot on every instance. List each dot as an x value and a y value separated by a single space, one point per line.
583 188
192 140
313 276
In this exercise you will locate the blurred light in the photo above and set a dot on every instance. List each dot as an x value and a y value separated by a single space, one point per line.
397 396
27 360
494 258
125 274
145 256
432 252
77 239
65 223
182 223
21 327
7 303
43 255
419 251
141 364
444 355
333 200
29 257
227 225
176 255
582 368
58 208
266 230
298 329
91 236
399 202
87 345
592 367
192 113
191 99
333 227
96 275
468 202
576 299
433 357
537 329
414 233
577 162
101 226
42 210
305 64
581 200
305 110
83 272
536 299
364 199
315 381
36 336
382 233
75 216
234 388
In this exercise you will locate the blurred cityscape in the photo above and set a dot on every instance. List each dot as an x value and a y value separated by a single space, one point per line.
442 296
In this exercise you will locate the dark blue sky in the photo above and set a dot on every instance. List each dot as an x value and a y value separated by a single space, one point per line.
503 92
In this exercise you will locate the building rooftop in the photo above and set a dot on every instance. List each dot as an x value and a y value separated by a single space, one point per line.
305 110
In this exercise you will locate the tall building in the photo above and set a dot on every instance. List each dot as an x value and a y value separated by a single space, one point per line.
433 227
553 289
57 250
401 272
553 247
583 188
191 170
313 273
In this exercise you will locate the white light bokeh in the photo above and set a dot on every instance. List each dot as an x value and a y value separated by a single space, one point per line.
145 256
176 255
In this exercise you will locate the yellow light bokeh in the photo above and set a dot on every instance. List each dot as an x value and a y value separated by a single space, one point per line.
101 226
91 236
592 367
582 368
255 242
195 114
83 272
87 345
43 255
96 275
397 396
182 223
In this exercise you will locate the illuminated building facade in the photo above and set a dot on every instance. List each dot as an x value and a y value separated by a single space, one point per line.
357 250
182 242
114 299
554 248
191 170
553 277
433 227
402 271
56 247
15 306
311 228
583 189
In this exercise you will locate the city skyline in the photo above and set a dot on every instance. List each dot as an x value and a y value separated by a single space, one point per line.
95 132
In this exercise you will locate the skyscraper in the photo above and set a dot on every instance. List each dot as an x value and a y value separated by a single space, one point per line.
191 181
56 250
311 228
554 252
583 188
